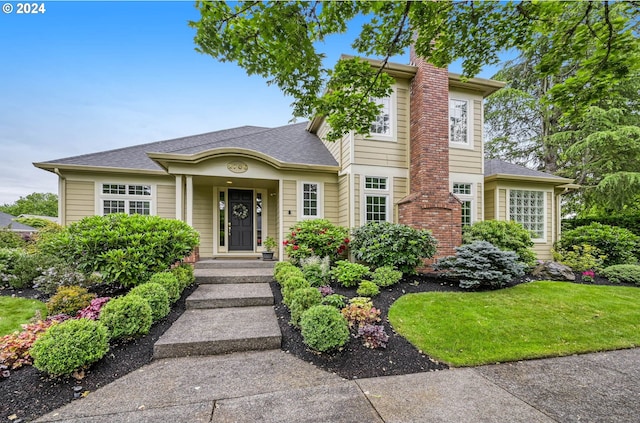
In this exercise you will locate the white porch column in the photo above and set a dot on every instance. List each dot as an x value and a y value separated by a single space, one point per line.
179 198
281 220
189 200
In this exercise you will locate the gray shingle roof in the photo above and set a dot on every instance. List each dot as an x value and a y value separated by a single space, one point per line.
6 220
497 166
289 144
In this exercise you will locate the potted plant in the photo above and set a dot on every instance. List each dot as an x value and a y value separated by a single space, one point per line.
269 246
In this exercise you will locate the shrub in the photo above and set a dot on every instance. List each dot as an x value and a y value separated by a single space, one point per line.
301 301
125 249
507 236
627 221
290 286
360 311
184 274
19 269
316 270
481 264
70 346
373 336
92 311
349 274
156 296
127 317
619 245
325 290
368 289
14 347
391 244
288 272
316 237
386 276
52 278
324 328
10 239
281 265
170 283
581 257
622 273
335 300
68 300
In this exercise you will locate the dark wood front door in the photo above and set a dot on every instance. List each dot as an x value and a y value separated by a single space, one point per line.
241 220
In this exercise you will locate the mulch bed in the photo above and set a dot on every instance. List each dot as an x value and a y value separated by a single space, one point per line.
28 393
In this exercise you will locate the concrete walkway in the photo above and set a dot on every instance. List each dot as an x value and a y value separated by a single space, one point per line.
273 386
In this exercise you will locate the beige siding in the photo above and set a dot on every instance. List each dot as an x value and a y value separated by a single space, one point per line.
489 204
203 217
334 147
290 204
331 209
400 190
166 198
502 204
80 200
358 200
343 198
479 202
272 217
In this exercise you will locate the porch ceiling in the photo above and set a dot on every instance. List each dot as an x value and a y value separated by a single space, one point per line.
236 182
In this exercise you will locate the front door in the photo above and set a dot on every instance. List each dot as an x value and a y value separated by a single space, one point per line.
240 220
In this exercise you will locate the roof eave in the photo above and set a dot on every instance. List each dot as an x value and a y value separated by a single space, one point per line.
52 167
485 86
557 181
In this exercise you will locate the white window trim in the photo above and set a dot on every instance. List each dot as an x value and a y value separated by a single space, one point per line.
545 219
100 197
467 197
320 210
375 192
393 120
470 112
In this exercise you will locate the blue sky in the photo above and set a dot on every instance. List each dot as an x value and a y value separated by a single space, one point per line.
92 76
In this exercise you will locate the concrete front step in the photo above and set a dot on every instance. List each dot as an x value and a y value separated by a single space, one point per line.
220 331
234 264
230 295
259 275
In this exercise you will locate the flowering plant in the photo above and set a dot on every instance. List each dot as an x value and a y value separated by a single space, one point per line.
317 237
588 275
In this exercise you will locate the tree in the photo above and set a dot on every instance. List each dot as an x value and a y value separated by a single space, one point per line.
280 42
42 204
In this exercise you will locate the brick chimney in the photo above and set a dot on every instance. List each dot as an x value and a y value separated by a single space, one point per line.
430 205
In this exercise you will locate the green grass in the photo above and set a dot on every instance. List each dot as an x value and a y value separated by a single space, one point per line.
17 311
534 320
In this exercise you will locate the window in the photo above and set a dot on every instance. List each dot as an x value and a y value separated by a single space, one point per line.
376 208
458 121
259 219
382 125
309 200
121 198
464 192
527 208
375 183
221 205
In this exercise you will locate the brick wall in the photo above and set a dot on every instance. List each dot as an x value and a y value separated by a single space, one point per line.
430 205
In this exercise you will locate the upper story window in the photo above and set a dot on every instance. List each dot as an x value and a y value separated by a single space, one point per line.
123 198
459 121
310 200
382 124
464 192
527 208
372 182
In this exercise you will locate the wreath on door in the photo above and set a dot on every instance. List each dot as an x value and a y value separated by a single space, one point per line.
240 211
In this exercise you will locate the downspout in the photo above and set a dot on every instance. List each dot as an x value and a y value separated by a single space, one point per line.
62 188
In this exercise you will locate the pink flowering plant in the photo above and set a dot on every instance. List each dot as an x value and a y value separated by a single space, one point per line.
92 311
316 237
588 275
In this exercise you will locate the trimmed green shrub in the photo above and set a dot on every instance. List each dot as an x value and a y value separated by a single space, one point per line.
620 245
391 244
71 345
301 301
316 237
622 273
282 265
481 265
386 276
288 272
581 257
507 236
125 249
335 300
69 300
127 317
10 239
324 328
170 283
156 296
626 221
349 274
291 285
184 274
368 289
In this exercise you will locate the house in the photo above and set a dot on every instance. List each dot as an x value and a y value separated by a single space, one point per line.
7 223
423 165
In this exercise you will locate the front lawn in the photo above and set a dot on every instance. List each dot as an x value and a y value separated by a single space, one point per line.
17 311
533 320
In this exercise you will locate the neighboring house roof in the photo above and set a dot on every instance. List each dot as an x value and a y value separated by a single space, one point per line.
288 144
7 222
496 168
36 216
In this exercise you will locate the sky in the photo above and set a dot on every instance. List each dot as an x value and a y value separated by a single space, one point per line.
85 76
